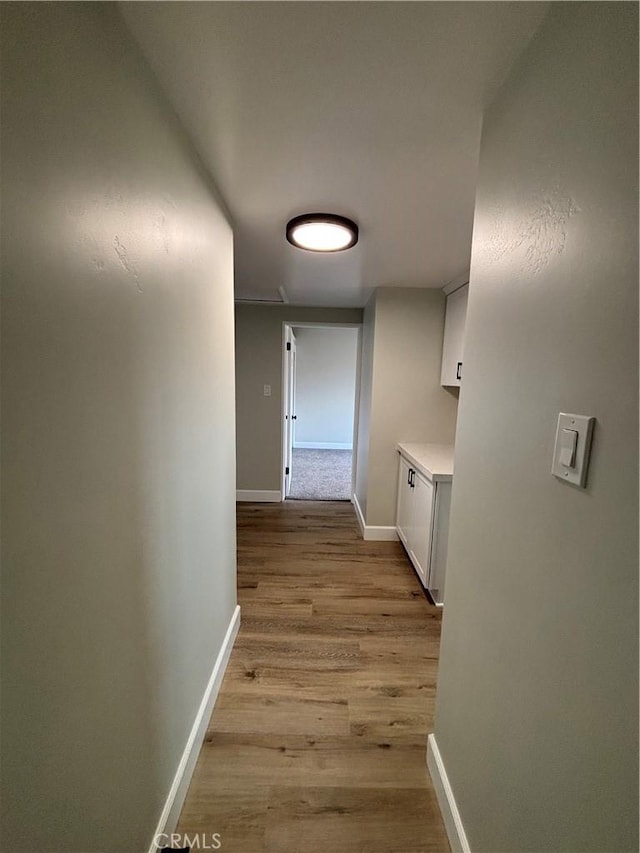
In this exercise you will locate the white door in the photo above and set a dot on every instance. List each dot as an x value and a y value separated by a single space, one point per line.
403 519
290 408
421 524
453 344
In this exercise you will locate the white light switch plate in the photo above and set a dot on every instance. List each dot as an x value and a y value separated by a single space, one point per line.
577 473
267 390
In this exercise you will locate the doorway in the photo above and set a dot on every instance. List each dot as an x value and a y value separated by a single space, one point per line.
319 426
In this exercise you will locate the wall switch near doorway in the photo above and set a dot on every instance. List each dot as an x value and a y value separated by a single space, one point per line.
572 447
267 390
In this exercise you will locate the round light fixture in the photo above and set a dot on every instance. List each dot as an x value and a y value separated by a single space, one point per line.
322 232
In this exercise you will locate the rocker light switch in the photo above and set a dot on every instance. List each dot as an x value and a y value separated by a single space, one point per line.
568 444
571 452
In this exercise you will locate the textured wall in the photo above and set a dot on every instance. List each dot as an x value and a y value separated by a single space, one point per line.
538 688
364 403
407 400
118 551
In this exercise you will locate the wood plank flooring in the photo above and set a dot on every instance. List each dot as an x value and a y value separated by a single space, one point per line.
318 738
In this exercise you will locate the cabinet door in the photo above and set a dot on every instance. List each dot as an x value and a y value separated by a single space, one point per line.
403 512
453 344
438 565
421 525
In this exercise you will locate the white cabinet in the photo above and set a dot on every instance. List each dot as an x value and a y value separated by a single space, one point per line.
453 344
413 521
405 502
422 522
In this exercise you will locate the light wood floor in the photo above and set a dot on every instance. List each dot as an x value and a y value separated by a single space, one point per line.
317 741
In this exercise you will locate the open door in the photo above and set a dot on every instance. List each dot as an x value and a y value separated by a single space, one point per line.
290 406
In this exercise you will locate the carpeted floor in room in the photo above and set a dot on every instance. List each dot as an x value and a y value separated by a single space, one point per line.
321 475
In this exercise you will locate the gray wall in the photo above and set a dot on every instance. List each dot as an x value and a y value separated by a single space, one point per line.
538 689
407 402
364 403
325 385
118 450
259 363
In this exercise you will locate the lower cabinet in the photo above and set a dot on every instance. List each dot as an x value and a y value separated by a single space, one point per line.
422 522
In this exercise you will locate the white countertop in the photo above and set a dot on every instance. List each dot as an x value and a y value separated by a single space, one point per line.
435 461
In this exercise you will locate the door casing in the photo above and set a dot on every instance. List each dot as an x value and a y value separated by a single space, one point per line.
287 330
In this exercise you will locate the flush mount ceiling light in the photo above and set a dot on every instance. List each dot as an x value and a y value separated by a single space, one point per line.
322 232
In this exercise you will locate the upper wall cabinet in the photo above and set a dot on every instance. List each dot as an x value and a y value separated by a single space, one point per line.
453 346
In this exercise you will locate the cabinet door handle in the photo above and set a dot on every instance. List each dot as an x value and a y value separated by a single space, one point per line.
412 481
408 476
459 371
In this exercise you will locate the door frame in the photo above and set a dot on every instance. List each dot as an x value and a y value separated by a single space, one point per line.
292 324
288 403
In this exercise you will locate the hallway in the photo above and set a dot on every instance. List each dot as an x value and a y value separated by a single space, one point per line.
318 738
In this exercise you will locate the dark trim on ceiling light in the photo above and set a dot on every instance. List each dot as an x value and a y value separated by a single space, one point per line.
330 218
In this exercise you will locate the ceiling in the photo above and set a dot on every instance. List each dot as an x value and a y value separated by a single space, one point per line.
371 110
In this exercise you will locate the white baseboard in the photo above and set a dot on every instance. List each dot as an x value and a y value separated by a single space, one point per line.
359 515
372 532
448 807
378 533
323 445
178 791
258 496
